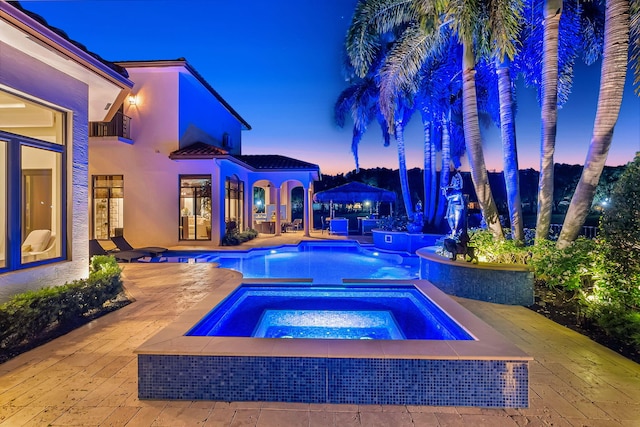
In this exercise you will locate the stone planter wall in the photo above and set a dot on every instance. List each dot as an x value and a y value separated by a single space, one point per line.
402 241
497 283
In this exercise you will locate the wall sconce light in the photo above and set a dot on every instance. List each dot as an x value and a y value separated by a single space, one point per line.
133 99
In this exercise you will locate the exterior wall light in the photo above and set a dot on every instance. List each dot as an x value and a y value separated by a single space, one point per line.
133 99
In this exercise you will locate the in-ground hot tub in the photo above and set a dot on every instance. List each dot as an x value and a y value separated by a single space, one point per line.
383 347
330 312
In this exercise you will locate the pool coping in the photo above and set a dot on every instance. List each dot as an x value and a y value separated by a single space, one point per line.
489 344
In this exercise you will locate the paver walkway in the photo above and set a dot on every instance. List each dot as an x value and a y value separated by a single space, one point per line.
89 376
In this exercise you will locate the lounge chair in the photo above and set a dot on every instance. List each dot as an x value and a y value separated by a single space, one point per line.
95 248
296 224
122 244
37 243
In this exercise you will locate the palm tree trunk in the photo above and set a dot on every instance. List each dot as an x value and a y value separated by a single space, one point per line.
433 192
509 150
474 143
613 74
402 168
444 172
427 175
552 13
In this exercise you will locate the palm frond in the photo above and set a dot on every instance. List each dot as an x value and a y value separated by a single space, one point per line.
529 61
634 42
505 21
343 104
591 30
402 65
371 19
466 17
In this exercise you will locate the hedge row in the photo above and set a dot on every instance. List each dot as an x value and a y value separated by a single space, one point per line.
28 315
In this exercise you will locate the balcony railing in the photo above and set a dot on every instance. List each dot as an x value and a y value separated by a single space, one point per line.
118 126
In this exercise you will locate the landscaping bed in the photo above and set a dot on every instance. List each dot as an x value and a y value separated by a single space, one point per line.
58 329
563 308
35 317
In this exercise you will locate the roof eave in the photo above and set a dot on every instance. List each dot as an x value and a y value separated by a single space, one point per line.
192 157
253 169
55 41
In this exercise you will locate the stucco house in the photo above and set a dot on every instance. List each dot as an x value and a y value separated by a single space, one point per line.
50 89
168 170
93 149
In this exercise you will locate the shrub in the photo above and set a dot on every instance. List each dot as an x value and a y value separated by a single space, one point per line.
603 273
615 320
27 315
620 229
235 238
393 223
575 267
507 251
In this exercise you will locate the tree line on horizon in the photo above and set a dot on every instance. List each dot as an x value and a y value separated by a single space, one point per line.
565 179
453 63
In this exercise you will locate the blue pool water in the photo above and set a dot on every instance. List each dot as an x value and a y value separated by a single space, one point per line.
328 324
326 263
333 312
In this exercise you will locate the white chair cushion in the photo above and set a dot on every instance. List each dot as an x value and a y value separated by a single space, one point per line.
36 241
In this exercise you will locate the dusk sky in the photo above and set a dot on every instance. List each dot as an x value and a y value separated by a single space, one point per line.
279 65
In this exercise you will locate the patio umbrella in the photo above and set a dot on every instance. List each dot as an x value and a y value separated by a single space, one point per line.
354 192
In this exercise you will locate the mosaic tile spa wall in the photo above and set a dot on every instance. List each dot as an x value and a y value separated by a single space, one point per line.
484 383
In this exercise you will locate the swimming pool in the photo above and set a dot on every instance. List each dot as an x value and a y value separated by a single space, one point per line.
324 262
329 312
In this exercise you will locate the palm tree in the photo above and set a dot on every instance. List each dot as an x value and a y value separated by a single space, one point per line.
613 74
372 105
438 76
470 19
404 111
553 36
549 88
509 150
421 37
360 101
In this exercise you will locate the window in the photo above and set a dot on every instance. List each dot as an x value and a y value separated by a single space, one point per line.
32 183
41 203
108 206
3 203
27 118
234 202
195 207
226 141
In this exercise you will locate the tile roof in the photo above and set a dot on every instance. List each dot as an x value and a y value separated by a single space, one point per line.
274 161
197 150
117 68
200 150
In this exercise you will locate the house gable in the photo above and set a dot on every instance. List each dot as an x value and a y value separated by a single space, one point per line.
192 111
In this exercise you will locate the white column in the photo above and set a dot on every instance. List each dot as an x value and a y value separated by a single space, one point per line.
277 230
308 211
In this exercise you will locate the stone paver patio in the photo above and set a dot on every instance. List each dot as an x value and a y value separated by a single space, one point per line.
89 376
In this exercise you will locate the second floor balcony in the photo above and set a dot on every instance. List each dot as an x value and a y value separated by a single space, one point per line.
118 127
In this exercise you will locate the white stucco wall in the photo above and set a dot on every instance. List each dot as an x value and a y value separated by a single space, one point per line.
154 121
200 109
170 101
44 83
151 184
151 189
